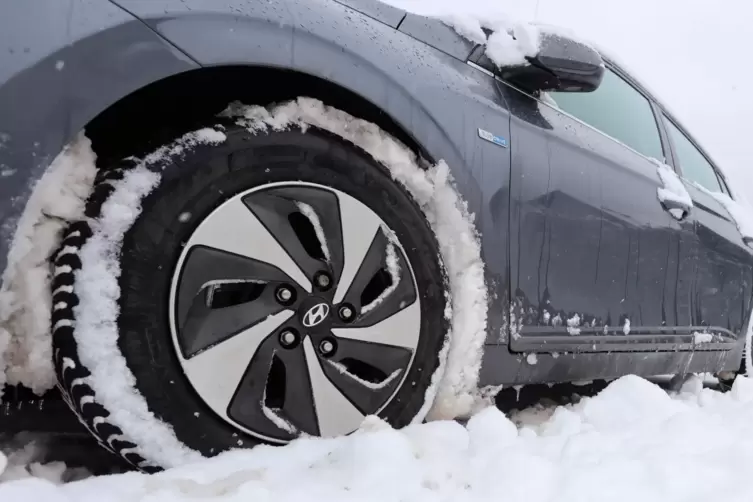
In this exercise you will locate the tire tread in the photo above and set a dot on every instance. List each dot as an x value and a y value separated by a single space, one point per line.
71 374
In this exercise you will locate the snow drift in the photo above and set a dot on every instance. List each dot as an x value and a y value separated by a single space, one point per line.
631 442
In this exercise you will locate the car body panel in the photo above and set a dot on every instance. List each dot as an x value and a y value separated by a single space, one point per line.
657 250
437 34
414 69
387 14
33 111
590 242
500 366
722 294
439 99
89 57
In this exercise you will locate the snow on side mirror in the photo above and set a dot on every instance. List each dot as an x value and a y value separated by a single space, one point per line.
562 64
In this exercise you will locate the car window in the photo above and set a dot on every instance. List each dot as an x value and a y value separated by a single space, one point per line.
694 165
617 109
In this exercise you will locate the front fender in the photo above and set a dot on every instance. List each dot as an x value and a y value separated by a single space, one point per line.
58 70
440 100
437 99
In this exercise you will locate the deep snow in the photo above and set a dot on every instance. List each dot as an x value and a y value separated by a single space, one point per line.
632 442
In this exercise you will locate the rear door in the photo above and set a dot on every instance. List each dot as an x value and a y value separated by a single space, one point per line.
594 253
722 280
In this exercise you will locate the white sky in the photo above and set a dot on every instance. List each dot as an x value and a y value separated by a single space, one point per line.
690 53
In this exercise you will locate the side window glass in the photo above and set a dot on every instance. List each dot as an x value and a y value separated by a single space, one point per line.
694 165
617 109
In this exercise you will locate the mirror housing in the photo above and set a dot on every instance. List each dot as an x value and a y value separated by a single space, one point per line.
562 64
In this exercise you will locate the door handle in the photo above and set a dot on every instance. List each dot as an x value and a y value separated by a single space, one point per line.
679 210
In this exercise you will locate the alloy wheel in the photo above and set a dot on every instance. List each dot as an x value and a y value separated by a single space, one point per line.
294 310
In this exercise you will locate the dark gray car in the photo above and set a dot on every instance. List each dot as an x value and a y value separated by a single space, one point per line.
266 273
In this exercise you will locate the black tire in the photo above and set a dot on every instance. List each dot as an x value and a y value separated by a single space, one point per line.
190 189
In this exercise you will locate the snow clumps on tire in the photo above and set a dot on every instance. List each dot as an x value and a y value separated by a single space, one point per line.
452 392
25 297
94 375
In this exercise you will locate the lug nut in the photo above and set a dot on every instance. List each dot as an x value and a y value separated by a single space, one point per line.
327 347
346 313
288 338
323 280
284 294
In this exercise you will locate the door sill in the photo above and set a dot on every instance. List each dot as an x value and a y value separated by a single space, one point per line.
646 339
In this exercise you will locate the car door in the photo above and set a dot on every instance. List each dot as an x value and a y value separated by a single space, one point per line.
722 276
592 261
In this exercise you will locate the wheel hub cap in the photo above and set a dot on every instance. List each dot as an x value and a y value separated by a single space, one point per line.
293 309
316 315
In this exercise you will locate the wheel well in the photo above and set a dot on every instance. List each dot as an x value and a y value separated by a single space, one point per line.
154 115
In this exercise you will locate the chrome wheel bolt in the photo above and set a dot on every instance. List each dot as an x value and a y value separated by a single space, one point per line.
323 280
284 294
327 347
346 313
287 338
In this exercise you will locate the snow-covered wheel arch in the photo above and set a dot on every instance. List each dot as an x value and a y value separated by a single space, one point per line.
89 259
57 199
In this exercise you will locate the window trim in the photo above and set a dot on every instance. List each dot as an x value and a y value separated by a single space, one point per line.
665 116
614 68
669 153
665 147
660 115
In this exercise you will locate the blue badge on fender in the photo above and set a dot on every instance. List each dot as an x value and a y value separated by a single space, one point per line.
498 140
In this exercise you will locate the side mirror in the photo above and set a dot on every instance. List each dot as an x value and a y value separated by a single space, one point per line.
562 64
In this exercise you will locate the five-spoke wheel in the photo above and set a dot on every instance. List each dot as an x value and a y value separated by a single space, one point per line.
274 285
294 310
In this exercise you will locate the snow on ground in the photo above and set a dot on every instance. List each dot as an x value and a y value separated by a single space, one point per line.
23 463
631 442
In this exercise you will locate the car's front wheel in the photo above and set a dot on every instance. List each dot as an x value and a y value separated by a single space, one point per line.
256 287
